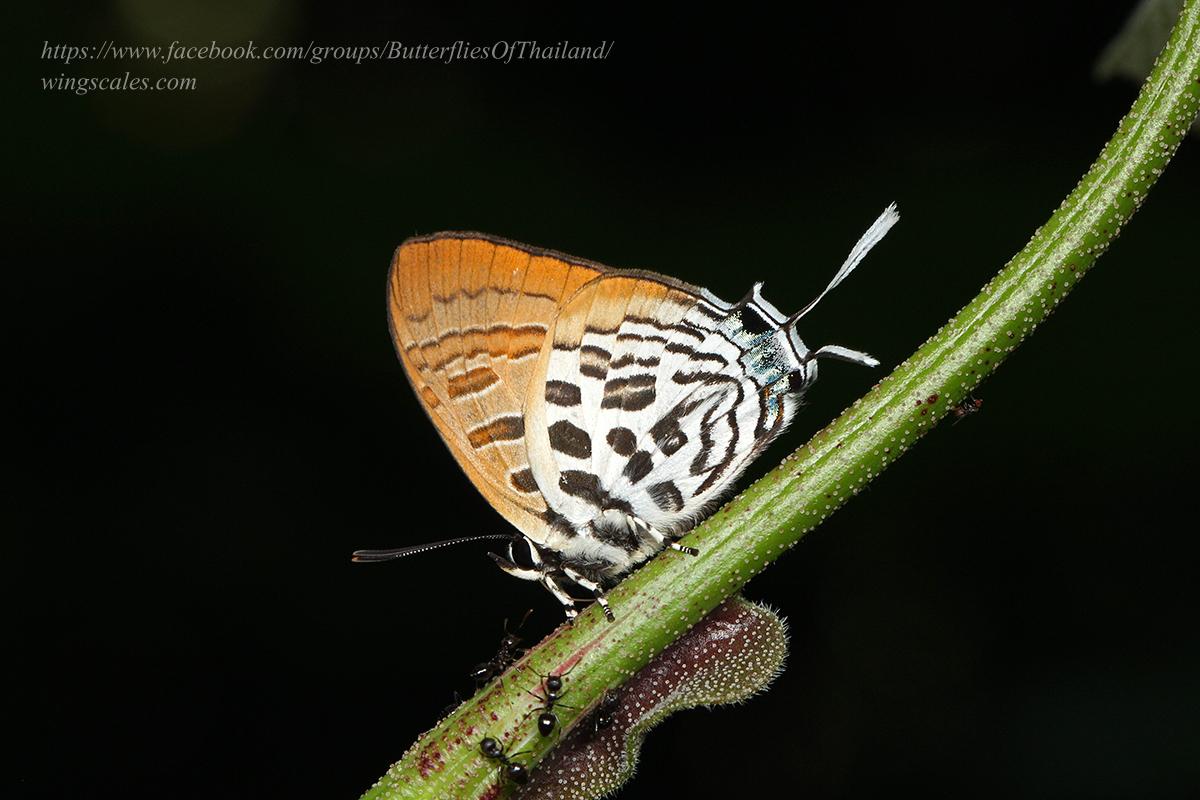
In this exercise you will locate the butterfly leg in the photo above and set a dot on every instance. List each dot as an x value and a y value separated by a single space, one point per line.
592 587
662 539
517 572
510 566
540 573
674 545
568 602
552 586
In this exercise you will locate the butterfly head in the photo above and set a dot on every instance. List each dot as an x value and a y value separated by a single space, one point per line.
772 350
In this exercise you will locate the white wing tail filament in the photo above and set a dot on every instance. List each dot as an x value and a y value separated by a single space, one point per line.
872 237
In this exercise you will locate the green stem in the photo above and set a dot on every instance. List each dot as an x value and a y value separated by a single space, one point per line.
674 591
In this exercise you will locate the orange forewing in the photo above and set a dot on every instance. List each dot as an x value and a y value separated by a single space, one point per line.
469 314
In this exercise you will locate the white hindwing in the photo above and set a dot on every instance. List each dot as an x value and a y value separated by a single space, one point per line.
653 409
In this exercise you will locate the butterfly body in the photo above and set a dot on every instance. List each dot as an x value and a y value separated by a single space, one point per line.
602 412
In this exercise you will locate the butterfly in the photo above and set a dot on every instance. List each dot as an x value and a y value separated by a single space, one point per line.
602 412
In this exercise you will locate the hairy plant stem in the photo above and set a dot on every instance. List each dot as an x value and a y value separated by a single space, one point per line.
669 595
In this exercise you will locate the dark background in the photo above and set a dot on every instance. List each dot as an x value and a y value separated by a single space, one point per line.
209 415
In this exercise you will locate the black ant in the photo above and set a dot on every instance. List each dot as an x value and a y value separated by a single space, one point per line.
970 405
509 651
610 701
552 691
517 773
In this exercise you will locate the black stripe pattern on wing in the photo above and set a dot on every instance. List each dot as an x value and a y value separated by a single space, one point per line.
593 361
629 393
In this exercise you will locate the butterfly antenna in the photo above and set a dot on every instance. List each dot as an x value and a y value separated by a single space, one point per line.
371 556
872 237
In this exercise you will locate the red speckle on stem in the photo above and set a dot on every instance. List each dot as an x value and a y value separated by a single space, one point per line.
933 398
430 761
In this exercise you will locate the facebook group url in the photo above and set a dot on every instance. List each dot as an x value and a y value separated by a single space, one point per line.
503 51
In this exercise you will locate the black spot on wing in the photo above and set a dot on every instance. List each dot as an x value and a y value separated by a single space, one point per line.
570 440
522 481
667 434
666 496
561 393
639 466
622 441
584 485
